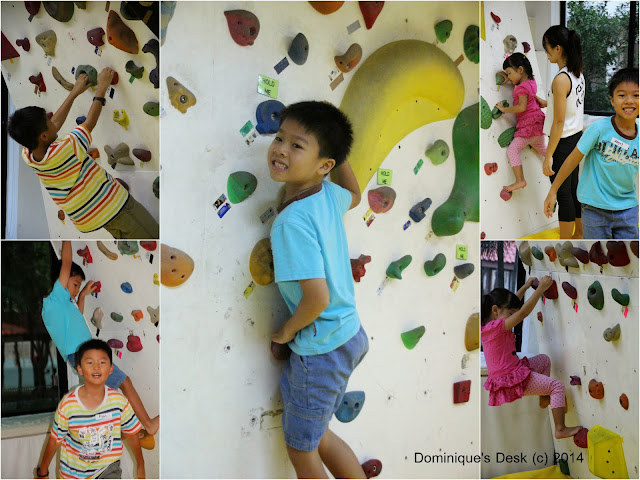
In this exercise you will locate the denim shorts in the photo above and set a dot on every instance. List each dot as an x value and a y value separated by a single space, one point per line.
115 379
600 224
312 388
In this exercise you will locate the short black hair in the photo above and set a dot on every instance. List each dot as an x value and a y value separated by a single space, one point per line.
26 125
516 60
327 123
76 270
621 76
93 344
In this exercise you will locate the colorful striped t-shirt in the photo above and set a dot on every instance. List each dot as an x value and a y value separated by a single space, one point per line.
91 439
83 189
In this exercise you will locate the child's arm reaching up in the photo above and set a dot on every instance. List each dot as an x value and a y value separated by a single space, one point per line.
67 260
513 320
523 288
315 298
104 80
80 86
87 290
343 175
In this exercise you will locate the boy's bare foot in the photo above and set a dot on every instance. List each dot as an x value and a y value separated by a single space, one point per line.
545 400
565 432
153 425
515 186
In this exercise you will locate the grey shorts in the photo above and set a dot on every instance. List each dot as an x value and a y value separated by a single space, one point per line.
112 471
134 222
115 379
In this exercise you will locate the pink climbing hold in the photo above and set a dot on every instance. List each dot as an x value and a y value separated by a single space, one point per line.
115 343
381 199
575 380
133 343
505 195
357 266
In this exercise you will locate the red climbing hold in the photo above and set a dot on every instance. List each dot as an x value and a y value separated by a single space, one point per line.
581 254
244 26
24 43
490 168
32 7
133 343
551 253
357 266
570 290
8 50
461 391
39 82
526 47
381 199
596 254
370 11
617 254
495 17
372 468
150 245
505 195
552 292
86 255
580 438
98 286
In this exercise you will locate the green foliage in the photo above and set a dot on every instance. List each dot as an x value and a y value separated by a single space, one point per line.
604 32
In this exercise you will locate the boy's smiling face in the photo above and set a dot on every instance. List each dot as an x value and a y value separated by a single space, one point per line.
95 367
293 157
625 100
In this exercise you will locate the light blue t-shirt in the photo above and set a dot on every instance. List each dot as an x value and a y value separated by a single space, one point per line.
65 324
309 241
610 167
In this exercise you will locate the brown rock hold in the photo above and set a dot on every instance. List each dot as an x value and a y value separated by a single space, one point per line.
596 389
624 401
597 255
175 267
326 8
349 59
47 40
142 154
120 35
381 199
243 25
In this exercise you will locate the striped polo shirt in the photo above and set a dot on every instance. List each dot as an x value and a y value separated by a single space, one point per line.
91 439
83 189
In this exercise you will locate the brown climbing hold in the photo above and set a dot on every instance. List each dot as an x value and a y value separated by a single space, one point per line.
280 351
38 81
349 59
261 263
472 332
142 154
32 7
120 35
120 155
137 315
61 11
581 254
61 80
580 438
551 253
617 254
61 215
611 334
634 247
381 199
570 290
326 8
525 253
176 266
597 255
181 98
624 401
370 12
108 253
596 389
94 36
244 26
540 319
552 292
24 43
47 40
357 266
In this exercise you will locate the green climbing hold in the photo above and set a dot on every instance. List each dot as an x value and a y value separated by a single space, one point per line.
485 114
443 30
464 270
471 43
621 298
433 267
506 137
133 69
128 247
240 186
394 270
500 79
438 152
156 187
61 11
596 295
116 317
536 252
152 108
91 73
412 337
495 113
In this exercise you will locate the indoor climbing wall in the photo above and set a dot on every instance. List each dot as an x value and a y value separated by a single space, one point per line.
506 30
581 337
129 300
213 115
76 44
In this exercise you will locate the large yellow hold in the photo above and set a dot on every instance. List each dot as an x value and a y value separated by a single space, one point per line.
399 88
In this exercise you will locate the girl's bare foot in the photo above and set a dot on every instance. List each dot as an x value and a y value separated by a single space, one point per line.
565 432
515 186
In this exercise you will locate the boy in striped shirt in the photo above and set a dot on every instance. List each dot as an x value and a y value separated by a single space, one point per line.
90 197
91 422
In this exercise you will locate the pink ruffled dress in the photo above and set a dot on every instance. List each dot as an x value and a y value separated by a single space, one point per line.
508 375
530 122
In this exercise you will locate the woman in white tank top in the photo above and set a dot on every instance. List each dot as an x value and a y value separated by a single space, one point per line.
564 121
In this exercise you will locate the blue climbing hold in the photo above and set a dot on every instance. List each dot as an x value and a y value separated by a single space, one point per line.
81 119
126 287
350 407
268 116
417 212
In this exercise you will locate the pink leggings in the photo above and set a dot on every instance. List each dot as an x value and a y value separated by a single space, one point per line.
518 143
541 384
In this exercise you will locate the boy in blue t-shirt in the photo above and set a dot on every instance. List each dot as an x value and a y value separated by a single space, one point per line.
313 273
64 320
606 188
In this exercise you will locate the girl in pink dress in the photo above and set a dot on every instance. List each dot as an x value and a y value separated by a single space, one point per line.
509 377
529 116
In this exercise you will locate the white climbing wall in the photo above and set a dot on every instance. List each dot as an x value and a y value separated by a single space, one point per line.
522 215
142 367
219 372
73 49
574 342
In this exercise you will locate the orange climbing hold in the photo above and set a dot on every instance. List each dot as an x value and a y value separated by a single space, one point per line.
624 401
551 253
120 35
596 389
176 266
137 315
326 8
261 263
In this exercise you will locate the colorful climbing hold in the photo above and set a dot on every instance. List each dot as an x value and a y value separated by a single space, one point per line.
147 441
551 253
501 78
120 35
85 254
261 263
96 318
24 43
525 253
240 185
597 255
181 98
485 114
151 108
61 215
505 194
349 59
142 154
176 266
128 247
540 318
634 247
80 120
121 118
38 81
471 43
506 137
299 49
596 389
496 112
537 253
133 69
443 30
435 266
156 279
472 332
418 211
381 199
464 270
116 317
372 467
154 315
243 26
461 391
596 295
156 187
126 287
32 7
612 333
624 401
61 11
137 315
153 47
510 44
357 266
149 245
566 257
108 253
495 17
95 37
438 152
370 12
326 8
581 254
411 338
133 343
575 380
268 116
526 47
350 407
490 168
580 438
115 343
570 290
621 298
8 50
617 254
90 72
394 270
118 155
